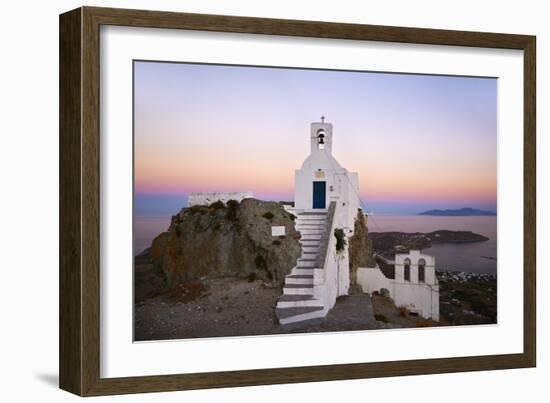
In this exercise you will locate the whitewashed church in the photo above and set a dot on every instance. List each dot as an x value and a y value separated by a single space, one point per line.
326 198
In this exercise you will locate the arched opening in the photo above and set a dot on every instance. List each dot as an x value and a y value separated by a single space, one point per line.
407 265
321 138
421 271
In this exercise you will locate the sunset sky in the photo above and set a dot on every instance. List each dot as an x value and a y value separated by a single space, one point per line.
418 142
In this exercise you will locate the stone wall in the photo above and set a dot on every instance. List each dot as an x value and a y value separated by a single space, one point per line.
206 198
422 298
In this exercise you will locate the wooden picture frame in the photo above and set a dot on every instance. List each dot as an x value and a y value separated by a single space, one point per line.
79 346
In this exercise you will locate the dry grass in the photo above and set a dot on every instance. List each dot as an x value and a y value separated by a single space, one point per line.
184 292
380 317
385 307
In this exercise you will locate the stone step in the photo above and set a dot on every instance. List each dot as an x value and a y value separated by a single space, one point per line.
301 266
311 237
303 276
294 301
306 262
310 242
307 258
307 228
313 213
311 222
310 218
300 263
298 289
302 271
318 211
299 279
292 315
297 303
316 231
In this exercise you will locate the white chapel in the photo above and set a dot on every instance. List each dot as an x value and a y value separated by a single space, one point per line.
326 203
322 180
326 199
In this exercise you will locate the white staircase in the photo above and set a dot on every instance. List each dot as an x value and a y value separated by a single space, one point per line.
297 303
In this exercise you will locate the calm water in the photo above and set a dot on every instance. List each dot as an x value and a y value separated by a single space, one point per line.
463 257
146 228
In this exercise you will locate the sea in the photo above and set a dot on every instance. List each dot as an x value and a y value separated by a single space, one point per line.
476 257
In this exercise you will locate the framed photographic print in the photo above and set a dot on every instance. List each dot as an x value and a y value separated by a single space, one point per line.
249 201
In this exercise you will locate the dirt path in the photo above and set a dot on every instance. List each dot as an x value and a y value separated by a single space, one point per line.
222 307
234 307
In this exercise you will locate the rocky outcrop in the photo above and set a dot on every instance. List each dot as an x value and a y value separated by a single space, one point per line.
361 253
232 239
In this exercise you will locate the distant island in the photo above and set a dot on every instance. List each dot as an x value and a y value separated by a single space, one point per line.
466 211
389 243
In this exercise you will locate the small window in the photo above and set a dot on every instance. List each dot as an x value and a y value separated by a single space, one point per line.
421 271
407 263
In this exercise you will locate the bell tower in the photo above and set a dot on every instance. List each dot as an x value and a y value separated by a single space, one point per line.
321 136
321 179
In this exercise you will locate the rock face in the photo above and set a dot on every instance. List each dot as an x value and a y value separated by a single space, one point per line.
361 252
232 239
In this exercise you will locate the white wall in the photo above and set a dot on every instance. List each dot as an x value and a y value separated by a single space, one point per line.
206 198
327 281
420 298
28 169
372 279
417 297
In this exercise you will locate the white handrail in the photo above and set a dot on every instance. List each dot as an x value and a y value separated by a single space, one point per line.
328 283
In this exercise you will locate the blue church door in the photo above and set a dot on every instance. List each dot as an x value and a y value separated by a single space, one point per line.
319 194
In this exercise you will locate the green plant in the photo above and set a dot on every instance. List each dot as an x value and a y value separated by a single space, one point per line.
268 215
232 208
380 317
232 203
260 262
340 240
199 209
217 205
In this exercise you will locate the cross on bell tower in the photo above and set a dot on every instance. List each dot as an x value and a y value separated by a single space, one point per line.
323 119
